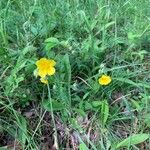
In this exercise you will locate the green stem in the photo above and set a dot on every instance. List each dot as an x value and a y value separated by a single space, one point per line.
53 120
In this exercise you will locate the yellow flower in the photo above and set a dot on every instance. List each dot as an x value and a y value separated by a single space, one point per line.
104 80
45 67
43 80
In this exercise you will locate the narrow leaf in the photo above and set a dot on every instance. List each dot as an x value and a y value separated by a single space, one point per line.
104 111
82 146
132 140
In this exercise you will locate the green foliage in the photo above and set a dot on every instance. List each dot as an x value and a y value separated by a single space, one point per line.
104 112
86 39
51 43
82 146
56 105
132 140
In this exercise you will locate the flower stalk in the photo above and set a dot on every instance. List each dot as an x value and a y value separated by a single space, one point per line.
53 120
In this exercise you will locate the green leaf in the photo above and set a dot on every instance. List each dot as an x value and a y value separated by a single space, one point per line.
3 148
144 85
65 44
104 111
27 49
108 25
88 106
51 43
51 40
56 105
136 105
128 81
132 140
147 119
125 80
96 103
86 95
75 124
80 112
82 146
132 37
67 68
22 132
140 54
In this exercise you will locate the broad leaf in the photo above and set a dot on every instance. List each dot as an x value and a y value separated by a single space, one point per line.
55 104
51 43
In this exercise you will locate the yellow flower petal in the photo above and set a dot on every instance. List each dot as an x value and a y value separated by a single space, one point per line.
43 80
42 73
41 62
45 67
51 71
52 62
104 80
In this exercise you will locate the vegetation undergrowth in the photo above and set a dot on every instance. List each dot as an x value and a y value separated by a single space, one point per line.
75 74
